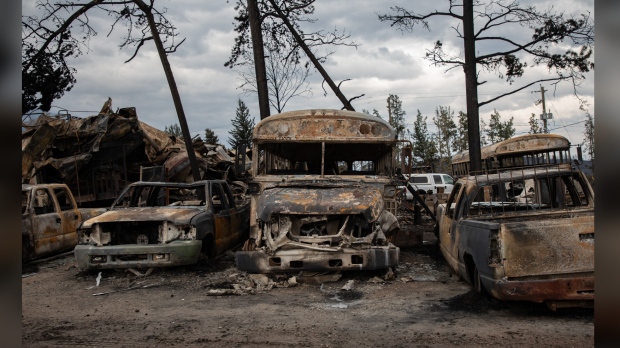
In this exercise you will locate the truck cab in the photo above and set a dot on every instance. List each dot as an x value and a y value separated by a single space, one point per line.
50 219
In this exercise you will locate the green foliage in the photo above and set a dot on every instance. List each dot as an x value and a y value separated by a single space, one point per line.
446 129
397 115
424 149
460 142
376 113
47 78
210 137
534 125
174 130
498 130
243 126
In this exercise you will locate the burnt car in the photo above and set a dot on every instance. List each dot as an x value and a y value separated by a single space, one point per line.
159 224
523 234
50 218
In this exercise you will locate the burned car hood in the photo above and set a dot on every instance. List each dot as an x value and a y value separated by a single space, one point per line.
321 201
176 215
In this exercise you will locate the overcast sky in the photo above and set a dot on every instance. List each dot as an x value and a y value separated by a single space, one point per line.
387 61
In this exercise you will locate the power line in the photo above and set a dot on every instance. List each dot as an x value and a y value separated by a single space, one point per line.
558 116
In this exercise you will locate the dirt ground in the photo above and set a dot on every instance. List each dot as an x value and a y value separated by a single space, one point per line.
420 304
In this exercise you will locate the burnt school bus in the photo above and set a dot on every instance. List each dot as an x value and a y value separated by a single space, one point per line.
520 151
323 193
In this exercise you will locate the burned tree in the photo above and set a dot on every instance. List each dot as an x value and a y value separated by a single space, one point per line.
285 79
280 29
551 32
63 30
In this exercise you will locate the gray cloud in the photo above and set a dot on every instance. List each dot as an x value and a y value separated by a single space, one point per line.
386 62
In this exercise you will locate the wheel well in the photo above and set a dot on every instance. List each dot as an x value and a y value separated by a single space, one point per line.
208 246
469 267
26 248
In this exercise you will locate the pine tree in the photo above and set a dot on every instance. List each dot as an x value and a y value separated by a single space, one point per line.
534 125
397 115
210 137
498 130
446 131
424 150
174 130
243 125
460 142
376 113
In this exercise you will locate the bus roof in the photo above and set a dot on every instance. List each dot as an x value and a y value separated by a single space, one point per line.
527 143
315 125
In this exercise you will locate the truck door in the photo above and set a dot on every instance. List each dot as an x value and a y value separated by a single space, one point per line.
448 228
224 234
69 215
46 223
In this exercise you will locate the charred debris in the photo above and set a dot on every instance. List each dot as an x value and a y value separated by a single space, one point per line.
97 156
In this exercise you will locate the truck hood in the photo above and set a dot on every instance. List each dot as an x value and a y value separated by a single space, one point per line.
175 215
321 201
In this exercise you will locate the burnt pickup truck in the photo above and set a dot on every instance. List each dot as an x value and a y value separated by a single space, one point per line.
50 219
159 224
523 234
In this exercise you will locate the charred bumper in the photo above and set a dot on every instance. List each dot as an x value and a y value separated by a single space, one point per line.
313 260
176 253
576 290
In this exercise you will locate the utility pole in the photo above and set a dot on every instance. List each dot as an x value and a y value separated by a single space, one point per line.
544 116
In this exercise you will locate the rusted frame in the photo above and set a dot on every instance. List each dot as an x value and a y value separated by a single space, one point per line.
535 173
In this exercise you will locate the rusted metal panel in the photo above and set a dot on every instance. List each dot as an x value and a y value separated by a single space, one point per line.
182 216
367 201
548 246
578 287
520 143
138 256
322 124
313 260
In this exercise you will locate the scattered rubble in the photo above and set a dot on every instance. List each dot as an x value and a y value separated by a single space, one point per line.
97 156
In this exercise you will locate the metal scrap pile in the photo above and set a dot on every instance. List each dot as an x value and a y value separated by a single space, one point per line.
98 155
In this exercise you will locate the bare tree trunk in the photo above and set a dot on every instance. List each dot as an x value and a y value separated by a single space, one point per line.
312 58
173 89
471 87
259 59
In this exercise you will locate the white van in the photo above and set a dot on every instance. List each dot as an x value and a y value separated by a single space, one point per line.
429 182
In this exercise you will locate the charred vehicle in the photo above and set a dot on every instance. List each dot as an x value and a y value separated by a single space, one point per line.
157 224
50 219
523 234
322 193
